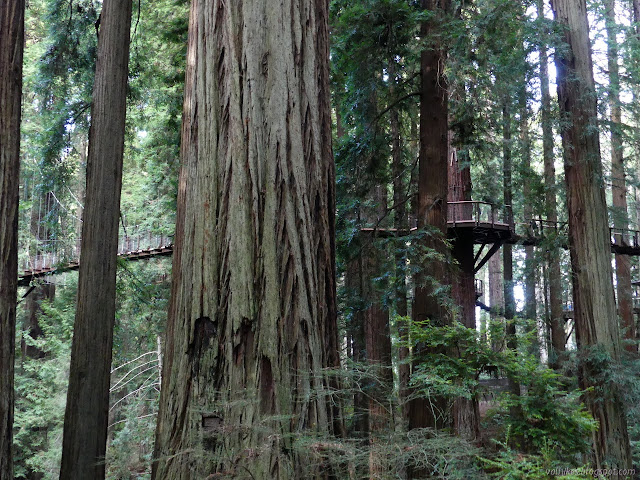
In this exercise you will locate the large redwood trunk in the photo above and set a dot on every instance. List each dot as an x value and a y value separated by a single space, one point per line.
11 41
252 320
596 326
86 414
432 198
556 317
618 180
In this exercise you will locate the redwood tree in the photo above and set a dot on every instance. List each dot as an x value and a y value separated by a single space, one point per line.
556 317
596 325
432 192
618 180
86 414
11 40
252 318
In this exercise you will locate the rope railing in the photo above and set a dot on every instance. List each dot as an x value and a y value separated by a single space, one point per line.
53 253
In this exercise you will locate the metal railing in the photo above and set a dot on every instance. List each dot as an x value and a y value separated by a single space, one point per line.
623 237
52 253
479 287
542 228
477 212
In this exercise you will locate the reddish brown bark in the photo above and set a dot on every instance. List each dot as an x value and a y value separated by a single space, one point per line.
432 197
595 317
86 414
618 180
377 343
466 415
556 317
11 41
252 319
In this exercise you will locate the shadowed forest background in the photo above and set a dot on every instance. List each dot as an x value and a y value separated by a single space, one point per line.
407 236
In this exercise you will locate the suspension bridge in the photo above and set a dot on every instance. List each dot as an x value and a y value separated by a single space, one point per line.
488 223
56 257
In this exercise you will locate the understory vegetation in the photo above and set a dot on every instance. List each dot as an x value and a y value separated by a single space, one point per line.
501 400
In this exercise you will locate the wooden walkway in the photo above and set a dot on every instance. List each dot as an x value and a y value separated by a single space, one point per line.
129 248
488 224
491 229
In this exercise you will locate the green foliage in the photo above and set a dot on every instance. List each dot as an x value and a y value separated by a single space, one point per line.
157 65
142 302
545 416
142 298
508 464
41 385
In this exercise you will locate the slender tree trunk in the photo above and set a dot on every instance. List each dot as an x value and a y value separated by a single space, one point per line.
432 199
12 41
355 278
618 181
86 414
252 318
530 270
596 326
496 302
507 249
556 316
401 223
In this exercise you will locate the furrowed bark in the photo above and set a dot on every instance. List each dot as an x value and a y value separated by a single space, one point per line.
86 414
432 198
12 41
466 414
596 326
252 321
618 180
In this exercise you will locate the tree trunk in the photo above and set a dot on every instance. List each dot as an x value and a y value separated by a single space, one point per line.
378 348
466 413
377 344
355 329
252 318
86 414
556 315
496 302
530 270
432 199
618 181
596 325
401 223
507 249
12 41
